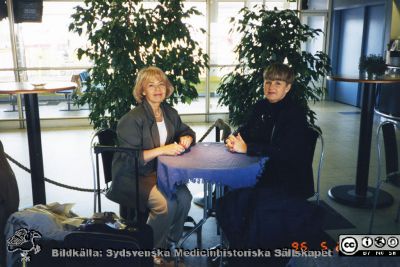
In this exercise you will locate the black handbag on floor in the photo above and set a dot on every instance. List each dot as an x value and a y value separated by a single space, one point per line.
106 240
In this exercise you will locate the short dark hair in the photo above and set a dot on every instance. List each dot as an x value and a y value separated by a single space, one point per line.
279 71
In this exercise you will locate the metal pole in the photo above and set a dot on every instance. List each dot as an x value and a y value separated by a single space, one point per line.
207 89
35 148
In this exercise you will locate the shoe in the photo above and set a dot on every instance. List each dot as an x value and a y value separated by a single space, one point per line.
158 260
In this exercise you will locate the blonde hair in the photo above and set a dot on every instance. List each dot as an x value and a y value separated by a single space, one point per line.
144 75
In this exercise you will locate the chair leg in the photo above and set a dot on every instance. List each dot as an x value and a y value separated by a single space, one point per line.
172 249
198 233
13 100
371 221
68 97
378 180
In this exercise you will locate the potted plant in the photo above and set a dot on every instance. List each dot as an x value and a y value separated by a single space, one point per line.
373 65
125 36
269 36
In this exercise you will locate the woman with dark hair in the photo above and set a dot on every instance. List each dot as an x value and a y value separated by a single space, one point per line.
277 128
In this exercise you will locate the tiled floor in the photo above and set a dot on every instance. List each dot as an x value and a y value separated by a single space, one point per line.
66 153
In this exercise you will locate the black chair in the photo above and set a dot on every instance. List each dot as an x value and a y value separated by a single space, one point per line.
315 134
387 99
107 146
84 76
68 97
392 176
80 80
13 102
68 93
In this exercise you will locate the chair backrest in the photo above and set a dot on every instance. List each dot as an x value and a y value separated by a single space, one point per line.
107 145
391 151
388 128
387 100
84 75
107 137
219 126
75 78
313 135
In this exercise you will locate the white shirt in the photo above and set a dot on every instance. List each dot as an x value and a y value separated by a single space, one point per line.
162 132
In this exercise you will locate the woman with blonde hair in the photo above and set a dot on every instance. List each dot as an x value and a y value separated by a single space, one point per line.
156 129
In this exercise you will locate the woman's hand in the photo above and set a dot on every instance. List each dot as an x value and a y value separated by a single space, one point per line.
172 149
236 144
185 141
229 142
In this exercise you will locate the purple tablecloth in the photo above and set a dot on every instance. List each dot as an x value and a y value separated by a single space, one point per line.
211 162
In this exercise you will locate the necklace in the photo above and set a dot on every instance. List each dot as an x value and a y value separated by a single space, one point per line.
158 114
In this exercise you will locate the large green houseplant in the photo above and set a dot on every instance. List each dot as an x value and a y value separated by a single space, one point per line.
125 36
269 36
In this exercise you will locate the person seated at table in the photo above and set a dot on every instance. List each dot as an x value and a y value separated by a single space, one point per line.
156 129
269 215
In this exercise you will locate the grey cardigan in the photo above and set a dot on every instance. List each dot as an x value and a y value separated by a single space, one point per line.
138 129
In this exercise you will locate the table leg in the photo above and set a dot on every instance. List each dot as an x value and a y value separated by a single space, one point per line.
360 195
206 213
35 148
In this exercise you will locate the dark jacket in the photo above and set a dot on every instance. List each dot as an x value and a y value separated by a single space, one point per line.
279 131
9 199
138 129
9 194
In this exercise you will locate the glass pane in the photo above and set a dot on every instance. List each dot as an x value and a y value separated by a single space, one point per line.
7 76
6 60
51 75
318 4
50 44
253 3
222 43
8 107
197 22
215 79
280 5
197 106
60 104
8 103
315 44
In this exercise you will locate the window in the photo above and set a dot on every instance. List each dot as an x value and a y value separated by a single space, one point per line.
47 50
6 61
49 43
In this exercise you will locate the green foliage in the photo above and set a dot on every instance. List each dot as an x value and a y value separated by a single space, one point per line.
3 9
372 64
123 37
270 36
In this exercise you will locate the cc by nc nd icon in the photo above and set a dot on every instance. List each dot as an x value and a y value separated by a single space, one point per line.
348 245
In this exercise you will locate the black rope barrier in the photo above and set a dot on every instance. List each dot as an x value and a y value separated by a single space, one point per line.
217 124
54 182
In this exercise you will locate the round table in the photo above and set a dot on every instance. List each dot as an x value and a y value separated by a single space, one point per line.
360 195
210 162
30 93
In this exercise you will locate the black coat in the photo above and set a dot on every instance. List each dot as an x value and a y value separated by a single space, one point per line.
280 131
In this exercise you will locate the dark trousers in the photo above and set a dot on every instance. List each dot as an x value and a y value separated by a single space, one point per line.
3 221
269 219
